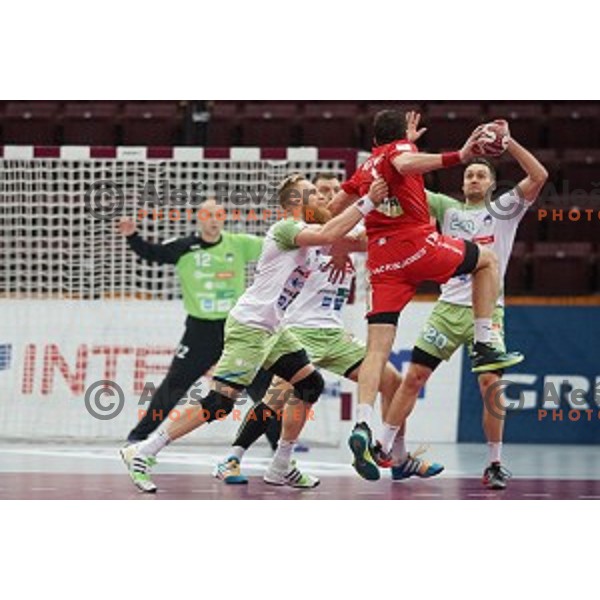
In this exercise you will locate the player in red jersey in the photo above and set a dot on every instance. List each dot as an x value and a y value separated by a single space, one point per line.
405 249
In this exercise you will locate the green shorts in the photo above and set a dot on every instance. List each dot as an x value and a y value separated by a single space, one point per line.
333 349
450 326
247 349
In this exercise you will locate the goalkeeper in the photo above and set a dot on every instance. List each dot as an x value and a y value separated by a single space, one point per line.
211 266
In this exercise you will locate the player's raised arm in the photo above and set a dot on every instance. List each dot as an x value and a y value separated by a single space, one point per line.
530 187
408 161
167 253
345 221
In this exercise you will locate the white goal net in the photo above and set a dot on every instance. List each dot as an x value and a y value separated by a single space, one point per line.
79 307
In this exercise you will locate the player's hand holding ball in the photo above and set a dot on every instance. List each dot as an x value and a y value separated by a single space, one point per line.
126 226
378 191
489 139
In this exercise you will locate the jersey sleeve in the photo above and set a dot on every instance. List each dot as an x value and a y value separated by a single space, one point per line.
285 232
251 246
400 147
352 185
168 252
439 204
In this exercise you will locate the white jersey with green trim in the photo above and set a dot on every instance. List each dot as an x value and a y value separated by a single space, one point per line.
281 273
480 225
320 302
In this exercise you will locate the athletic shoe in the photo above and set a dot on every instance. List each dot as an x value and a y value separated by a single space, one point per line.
229 472
487 358
414 466
368 457
496 476
293 477
139 468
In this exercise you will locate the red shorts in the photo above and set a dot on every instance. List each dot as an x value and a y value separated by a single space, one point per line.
397 266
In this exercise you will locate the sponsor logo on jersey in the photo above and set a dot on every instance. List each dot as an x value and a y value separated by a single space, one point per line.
225 275
484 239
459 223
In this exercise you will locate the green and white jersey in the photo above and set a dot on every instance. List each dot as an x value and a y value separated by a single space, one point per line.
320 302
280 275
477 224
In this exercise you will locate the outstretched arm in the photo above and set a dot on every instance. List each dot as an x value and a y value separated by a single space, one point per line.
530 187
168 253
345 221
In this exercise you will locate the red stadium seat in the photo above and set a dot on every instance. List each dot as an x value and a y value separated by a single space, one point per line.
330 124
516 280
530 227
563 269
270 124
572 125
450 181
223 125
525 119
151 123
450 124
580 170
90 123
31 123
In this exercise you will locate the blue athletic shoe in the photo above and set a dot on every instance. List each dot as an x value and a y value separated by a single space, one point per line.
367 457
229 472
415 467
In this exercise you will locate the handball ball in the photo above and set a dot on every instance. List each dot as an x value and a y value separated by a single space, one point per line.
493 138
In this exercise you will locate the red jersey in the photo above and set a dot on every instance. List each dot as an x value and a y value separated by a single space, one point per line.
406 211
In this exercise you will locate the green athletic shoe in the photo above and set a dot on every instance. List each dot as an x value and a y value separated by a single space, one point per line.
292 478
487 358
139 468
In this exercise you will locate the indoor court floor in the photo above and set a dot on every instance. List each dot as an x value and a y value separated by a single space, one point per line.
63 471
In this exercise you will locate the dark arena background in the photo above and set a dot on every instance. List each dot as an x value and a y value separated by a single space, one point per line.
78 307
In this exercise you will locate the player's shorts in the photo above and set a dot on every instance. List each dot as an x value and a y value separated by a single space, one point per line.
333 349
450 326
397 266
247 349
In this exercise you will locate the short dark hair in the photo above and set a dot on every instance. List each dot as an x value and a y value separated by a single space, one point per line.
326 175
388 126
480 160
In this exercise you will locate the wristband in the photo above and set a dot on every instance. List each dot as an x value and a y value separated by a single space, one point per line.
450 159
364 205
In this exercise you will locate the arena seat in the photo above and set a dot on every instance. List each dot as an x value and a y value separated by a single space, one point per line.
574 125
330 124
223 125
580 170
151 123
269 124
525 119
31 123
563 269
450 124
90 123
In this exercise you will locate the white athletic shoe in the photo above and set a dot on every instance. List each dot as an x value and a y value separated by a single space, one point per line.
139 468
293 477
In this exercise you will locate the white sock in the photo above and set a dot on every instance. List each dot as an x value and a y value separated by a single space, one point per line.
238 452
364 413
283 455
388 435
399 451
155 443
494 451
483 330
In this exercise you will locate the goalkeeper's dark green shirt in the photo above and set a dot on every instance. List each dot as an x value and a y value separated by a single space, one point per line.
212 275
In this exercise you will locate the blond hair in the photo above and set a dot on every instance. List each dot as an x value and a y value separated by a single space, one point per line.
287 186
